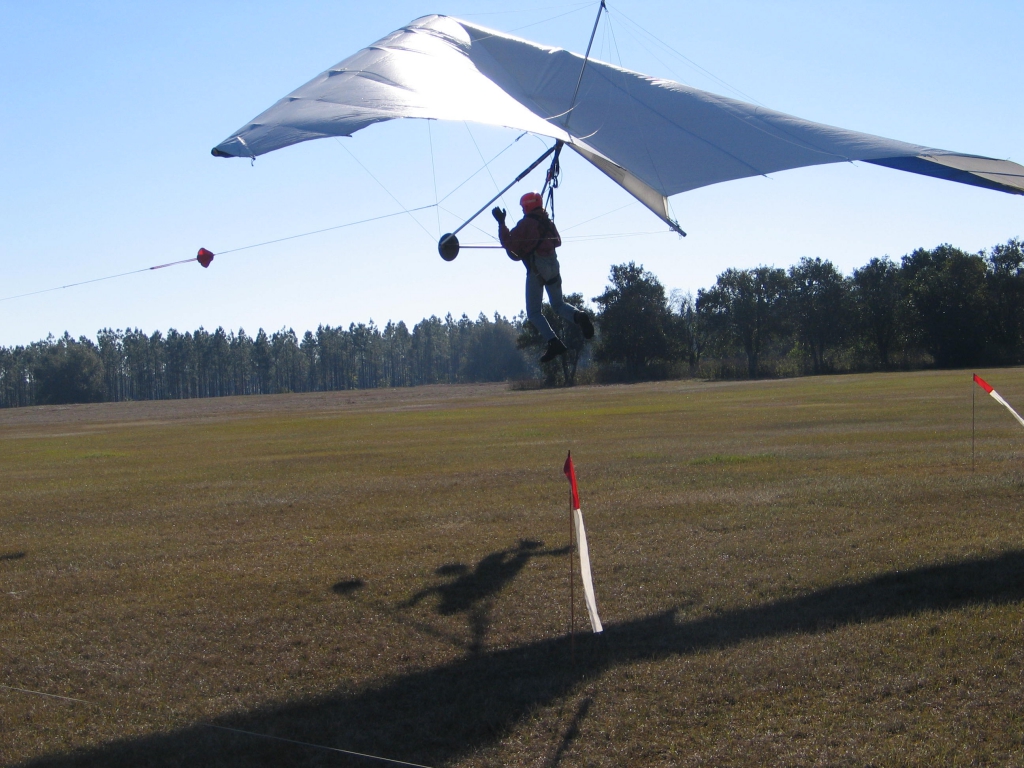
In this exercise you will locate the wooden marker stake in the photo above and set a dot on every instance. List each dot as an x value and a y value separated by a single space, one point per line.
572 584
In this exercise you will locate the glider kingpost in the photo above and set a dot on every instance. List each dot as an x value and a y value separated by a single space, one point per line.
653 137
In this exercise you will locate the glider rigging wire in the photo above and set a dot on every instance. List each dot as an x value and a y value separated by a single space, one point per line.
720 81
550 18
486 164
433 173
521 11
381 184
474 226
577 239
689 61
586 58
633 104
601 216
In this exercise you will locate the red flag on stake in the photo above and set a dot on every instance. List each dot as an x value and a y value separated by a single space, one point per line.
581 537
570 472
997 397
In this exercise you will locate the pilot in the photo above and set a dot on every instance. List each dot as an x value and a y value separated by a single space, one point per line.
533 241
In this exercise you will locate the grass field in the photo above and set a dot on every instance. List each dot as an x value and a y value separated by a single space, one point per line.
798 572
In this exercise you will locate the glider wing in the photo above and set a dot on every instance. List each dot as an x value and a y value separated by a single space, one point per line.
654 137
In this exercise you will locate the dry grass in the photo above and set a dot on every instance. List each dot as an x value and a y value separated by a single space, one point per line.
800 572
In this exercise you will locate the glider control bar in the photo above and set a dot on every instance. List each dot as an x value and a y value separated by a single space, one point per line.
448 245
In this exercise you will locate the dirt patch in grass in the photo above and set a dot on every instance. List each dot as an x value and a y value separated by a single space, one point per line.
795 572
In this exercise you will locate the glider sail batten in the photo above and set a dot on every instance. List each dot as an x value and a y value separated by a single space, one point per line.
665 137
419 71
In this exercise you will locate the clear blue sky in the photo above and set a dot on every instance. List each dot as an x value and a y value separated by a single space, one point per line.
109 111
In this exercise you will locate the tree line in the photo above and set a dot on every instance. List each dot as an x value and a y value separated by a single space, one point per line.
941 307
132 365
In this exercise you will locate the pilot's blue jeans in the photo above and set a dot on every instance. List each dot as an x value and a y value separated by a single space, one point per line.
548 268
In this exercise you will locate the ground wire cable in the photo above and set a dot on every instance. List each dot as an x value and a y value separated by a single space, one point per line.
48 695
388 760
94 280
220 253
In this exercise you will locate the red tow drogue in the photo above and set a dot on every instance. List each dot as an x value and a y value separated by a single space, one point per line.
204 257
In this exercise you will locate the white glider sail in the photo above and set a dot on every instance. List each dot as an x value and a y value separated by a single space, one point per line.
654 137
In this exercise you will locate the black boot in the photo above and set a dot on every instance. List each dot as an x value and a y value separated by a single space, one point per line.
555 348
582 319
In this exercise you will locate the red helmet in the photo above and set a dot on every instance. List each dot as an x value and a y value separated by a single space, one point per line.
531 201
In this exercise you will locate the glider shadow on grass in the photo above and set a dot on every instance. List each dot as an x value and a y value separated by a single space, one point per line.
473 591
12 556
434 716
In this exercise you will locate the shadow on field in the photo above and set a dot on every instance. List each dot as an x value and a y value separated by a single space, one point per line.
12 556
572 731
348 586
473 592
434 716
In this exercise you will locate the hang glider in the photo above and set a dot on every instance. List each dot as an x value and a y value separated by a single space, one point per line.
654 137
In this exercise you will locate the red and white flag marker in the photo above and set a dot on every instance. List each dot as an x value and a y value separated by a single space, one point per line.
581 537
997 397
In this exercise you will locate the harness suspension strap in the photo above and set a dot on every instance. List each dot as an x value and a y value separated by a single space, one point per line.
552 178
